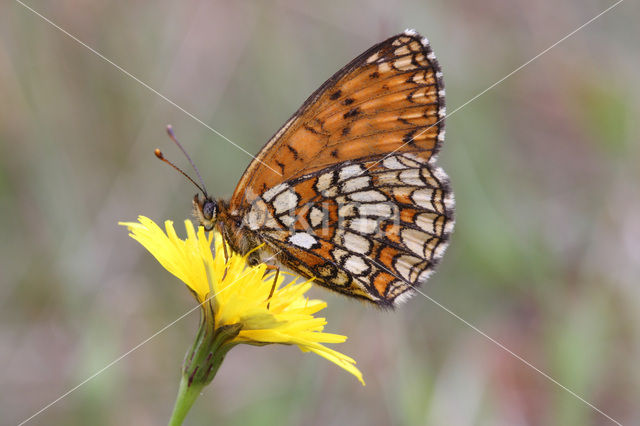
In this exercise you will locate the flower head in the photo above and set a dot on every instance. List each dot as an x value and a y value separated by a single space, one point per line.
235 301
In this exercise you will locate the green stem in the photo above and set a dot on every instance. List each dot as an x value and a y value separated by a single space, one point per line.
187 395
202 361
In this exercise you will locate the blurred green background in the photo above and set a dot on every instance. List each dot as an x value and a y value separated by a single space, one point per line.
545 167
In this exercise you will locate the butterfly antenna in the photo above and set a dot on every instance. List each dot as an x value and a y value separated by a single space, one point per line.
161 157
175 140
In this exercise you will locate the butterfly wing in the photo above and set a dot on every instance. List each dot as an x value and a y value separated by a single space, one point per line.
373 230
388 99
357 201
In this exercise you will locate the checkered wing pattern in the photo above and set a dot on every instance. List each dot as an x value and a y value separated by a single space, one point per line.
372 230
358 202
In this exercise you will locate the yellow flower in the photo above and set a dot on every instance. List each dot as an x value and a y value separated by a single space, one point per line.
234 297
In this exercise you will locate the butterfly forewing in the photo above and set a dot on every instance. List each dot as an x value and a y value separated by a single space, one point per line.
389 98
358 202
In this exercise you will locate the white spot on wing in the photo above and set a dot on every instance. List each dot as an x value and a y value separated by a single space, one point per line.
427 222
316 216
268 195
393 163
403 50
388 178
260 217
377 210
355 264
331 192
356 184
414 240
347 210
356 243
286 201
350 171
417 78
364 225
324 181
404 264
422 197
367 196
302 239
411 177
410 32
404 64
287 219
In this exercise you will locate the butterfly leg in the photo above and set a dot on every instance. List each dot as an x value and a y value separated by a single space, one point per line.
226 252
275 282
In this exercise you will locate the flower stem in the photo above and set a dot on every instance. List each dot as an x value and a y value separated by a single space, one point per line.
202 361
187 395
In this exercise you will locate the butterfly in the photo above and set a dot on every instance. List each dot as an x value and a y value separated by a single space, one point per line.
347 191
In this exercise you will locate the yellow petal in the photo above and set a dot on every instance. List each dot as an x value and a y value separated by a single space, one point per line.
240 293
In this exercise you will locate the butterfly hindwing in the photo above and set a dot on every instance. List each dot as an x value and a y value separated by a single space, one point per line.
373 230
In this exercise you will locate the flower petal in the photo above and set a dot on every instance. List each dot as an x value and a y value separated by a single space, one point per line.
239 293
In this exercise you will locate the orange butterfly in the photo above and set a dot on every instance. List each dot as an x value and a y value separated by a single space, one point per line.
347 191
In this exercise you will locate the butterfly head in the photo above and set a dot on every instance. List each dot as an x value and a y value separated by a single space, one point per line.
206 210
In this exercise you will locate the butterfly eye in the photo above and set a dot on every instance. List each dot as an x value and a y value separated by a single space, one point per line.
209 210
